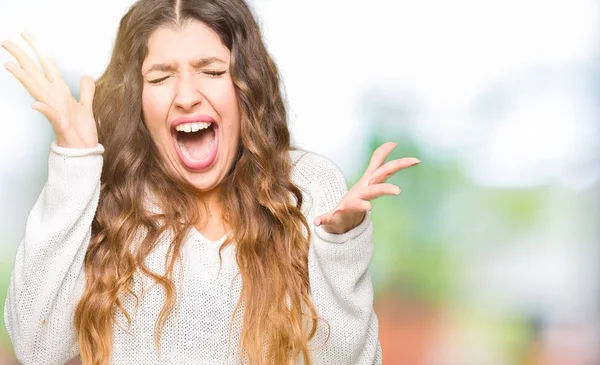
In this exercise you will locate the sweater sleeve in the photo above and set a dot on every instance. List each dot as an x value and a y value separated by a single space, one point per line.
48 276
340 282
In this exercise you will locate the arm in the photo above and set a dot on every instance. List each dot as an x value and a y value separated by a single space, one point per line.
340 282
342 290
48 277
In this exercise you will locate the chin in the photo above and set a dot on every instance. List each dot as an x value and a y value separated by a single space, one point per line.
203 182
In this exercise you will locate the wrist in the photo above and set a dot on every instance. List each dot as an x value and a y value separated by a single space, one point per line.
71 143
347 223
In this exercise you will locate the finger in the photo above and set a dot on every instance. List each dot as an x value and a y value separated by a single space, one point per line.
25 79
375 191
87 89
379 156
390 168
352 204
328 218
47 111
49 67
25 62
357 205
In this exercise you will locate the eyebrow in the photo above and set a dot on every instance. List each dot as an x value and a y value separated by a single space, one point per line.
197 63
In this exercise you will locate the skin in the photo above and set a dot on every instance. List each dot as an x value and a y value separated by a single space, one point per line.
190 90
351 210
72 120
186 91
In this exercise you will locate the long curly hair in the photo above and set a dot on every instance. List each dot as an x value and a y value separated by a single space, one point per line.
260 202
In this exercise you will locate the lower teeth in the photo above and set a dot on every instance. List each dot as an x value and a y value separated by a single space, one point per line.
186 153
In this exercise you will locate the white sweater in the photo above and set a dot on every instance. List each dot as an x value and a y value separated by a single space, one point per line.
48 278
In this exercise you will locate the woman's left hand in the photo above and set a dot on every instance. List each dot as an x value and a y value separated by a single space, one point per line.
351 210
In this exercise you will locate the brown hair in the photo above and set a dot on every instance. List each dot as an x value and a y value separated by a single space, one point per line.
259 200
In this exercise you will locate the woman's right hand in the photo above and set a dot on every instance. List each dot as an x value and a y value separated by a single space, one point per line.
73 121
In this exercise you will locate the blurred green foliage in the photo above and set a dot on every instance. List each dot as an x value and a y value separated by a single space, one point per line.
409 238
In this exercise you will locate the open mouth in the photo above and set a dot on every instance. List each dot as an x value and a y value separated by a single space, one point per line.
197 144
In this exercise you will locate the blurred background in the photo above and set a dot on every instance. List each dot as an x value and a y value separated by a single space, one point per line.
490 254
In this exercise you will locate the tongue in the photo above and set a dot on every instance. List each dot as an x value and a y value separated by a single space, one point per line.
198 143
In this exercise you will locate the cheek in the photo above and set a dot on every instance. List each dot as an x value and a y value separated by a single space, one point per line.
151 103
153 110
228 104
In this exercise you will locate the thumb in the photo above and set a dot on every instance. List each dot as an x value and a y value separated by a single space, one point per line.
87 89
322 219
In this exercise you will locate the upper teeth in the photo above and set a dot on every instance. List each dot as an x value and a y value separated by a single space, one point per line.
192 127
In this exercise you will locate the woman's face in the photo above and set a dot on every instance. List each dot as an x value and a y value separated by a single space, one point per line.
189 102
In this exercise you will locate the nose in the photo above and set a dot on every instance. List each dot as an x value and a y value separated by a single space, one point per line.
188 93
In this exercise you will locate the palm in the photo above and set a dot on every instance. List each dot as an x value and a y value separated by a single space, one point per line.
79 116
351 209
73 121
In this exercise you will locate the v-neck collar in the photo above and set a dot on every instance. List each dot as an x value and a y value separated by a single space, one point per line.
201 237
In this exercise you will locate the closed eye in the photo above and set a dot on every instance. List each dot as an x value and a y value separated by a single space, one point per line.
214 73
209 73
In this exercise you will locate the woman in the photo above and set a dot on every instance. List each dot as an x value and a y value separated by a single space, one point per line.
174 225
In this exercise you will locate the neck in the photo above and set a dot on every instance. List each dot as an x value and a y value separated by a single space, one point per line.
210 224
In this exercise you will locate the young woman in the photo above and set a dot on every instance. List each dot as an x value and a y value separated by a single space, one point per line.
178 225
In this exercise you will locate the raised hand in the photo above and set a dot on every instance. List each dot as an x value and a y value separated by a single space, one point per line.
351 210
73 121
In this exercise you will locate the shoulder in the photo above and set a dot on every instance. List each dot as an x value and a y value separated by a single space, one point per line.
320 177
315 168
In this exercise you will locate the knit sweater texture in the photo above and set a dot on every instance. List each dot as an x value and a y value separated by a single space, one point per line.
48 278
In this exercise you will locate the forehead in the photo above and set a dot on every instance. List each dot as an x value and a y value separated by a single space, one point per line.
182 45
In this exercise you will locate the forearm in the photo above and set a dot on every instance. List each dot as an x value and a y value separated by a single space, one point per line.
342 290
48 276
